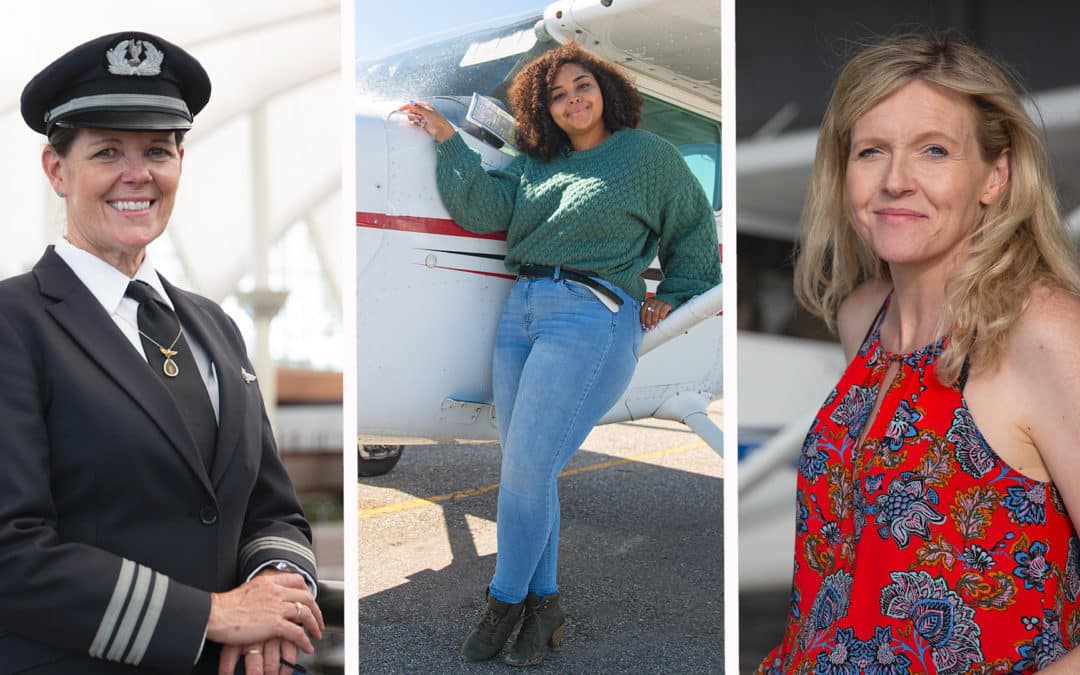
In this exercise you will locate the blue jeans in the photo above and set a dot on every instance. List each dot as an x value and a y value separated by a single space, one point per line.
562 360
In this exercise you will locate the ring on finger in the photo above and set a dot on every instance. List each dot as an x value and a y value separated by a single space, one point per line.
254 650
299 610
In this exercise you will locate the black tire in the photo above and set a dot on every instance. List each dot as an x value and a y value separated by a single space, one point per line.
375 460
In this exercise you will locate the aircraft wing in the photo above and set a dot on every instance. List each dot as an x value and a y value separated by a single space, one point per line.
672 47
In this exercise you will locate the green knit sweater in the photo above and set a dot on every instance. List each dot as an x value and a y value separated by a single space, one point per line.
607 210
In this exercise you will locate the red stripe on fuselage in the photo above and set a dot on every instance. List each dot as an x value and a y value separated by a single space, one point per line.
420 224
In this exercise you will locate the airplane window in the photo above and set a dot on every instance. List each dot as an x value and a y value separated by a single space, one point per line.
483 61
696 137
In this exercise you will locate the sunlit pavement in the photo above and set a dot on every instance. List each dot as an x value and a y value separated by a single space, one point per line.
640 560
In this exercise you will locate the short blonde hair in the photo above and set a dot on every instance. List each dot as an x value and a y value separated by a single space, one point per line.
1018 241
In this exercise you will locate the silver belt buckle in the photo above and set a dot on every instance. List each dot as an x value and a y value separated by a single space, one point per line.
608 302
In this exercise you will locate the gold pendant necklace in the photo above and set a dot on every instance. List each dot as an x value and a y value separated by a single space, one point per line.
169 367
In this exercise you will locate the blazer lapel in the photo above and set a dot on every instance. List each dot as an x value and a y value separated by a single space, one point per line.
227 366
82 317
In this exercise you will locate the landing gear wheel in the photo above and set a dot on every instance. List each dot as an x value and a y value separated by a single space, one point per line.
375 460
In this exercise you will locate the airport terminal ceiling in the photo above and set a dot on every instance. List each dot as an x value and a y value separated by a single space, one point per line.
265 149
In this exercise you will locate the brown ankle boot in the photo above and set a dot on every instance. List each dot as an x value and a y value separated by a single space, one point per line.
490 635
544 624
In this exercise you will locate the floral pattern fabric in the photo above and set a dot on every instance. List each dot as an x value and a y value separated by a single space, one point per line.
918 550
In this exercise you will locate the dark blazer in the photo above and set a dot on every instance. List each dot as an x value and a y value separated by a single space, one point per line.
112 535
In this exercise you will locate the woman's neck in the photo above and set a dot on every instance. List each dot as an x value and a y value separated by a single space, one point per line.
127 262
590 140
915 313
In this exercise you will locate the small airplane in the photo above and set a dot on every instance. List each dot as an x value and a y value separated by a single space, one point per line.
432 292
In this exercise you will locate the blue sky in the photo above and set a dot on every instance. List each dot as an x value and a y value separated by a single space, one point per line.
381 24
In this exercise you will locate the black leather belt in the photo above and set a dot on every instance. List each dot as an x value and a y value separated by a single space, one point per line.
580 276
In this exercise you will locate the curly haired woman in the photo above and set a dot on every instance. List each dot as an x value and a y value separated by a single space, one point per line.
587 206
938 490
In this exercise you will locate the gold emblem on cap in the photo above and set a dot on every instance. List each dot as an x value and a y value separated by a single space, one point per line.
135 57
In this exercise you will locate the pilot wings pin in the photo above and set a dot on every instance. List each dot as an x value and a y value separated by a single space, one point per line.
248 377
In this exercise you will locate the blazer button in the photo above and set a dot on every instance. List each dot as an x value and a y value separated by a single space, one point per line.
208 515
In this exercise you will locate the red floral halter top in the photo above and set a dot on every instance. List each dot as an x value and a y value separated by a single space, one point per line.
921 551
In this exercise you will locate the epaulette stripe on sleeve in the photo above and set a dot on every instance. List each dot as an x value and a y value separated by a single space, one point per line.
112 611
131 615
279 543
136 605
149 622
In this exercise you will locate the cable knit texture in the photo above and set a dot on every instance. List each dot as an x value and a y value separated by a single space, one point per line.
608 209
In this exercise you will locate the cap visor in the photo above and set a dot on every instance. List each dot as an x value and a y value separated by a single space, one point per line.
124 120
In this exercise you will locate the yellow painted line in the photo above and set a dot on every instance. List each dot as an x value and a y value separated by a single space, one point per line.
411 504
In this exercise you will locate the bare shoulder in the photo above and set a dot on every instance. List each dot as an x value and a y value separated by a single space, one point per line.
1047 334
1042 373
1041 361
857 311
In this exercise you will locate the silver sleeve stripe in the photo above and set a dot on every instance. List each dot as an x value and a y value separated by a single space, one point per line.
150 621
286 545
112 611
279 543
134 608
120 101
275 543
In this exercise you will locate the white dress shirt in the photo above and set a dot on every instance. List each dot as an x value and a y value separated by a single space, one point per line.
108 284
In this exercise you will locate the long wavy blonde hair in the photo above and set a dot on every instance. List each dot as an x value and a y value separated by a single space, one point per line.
1018 241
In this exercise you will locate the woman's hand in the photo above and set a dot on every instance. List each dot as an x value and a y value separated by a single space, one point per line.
263 620
654 311
427 118
268 657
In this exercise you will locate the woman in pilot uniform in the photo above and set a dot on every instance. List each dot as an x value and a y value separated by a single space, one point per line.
146 521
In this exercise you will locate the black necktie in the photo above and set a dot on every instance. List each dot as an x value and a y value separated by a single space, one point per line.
171 359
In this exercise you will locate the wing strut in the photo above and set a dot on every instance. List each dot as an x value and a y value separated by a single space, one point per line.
691 408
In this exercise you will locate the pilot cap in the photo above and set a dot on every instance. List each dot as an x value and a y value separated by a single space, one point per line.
125 81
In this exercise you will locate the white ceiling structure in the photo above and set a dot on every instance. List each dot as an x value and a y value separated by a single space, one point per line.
266 149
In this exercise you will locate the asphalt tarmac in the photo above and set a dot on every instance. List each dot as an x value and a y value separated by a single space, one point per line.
641 559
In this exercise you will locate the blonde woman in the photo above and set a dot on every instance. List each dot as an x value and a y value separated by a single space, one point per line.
936 484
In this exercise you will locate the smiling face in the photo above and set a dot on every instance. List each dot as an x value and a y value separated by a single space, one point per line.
916 179
577 106
119 188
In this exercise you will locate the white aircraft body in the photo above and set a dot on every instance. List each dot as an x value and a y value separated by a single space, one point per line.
430 293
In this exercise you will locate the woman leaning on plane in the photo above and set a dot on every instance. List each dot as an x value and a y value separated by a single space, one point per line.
939 487
587 206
